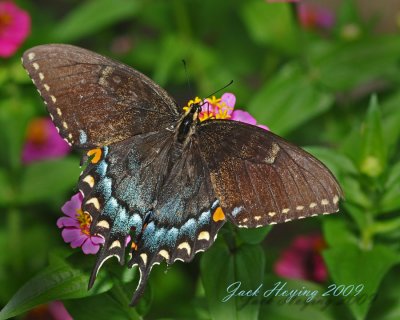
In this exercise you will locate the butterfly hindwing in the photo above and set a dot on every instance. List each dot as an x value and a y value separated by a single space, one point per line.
262 179
170 215
93 100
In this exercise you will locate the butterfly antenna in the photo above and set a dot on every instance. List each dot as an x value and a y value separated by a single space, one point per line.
226 86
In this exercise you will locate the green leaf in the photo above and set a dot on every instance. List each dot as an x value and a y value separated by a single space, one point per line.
297 308
348 265
44 180
244 268
358 214
270 24
289 100
373 152
14 116
92 16
343 66
217 279
390 200
253 236
393 176
387 303
6 191
58 281
388 227
391 119
351 144
104 306
348 13
18 74
337 232
173 48
334 160
354 192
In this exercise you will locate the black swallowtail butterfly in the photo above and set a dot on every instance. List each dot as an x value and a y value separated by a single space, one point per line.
162 173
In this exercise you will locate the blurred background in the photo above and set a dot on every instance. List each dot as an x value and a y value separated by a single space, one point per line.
323 74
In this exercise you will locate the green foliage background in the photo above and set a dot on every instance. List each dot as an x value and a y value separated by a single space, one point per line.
337 93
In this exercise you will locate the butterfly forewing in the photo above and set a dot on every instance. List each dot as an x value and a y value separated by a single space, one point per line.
262 179
96 101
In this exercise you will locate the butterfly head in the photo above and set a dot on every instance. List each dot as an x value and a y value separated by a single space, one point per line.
189 120
193 104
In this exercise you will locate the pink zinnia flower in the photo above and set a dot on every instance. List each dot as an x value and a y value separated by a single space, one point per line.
302 260
223 108
76 226
15 25
58 311
54 310
314 17
244 116
43 142
282 0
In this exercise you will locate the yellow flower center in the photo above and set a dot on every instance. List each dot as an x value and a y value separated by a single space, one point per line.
214 100
190 103
215 109
37 131
84 220
5 20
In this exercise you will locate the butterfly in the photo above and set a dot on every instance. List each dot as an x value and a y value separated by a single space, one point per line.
161 175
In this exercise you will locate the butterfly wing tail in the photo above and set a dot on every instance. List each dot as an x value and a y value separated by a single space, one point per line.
144 267
144 275
113 247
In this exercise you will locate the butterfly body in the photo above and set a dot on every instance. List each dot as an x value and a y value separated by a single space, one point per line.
162 176
188 124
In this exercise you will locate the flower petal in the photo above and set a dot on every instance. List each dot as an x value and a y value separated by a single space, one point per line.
58 311
77 242
291 265
302 260
67 222
97 239
311 16
43 142
320 271
70 234
207 107
229 99
70 207
263 127
13 33
127 240
89 247
243 116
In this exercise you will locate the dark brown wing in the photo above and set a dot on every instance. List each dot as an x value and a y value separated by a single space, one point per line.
149 184
262 179
93 100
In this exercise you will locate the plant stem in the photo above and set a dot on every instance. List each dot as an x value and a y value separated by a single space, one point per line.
14 237
367 232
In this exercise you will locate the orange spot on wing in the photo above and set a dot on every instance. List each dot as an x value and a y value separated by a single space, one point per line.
133 246
96 153
218 215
